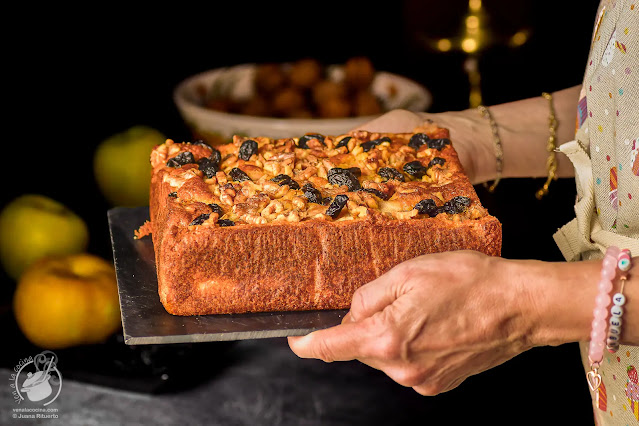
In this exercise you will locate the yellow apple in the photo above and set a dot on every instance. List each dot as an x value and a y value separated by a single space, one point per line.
33 226
122 165
64 301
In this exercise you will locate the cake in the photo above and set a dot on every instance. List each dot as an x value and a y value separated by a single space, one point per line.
263 225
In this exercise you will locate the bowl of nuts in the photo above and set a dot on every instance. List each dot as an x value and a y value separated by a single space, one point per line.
281 100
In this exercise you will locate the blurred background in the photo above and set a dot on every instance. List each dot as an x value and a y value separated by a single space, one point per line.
76 78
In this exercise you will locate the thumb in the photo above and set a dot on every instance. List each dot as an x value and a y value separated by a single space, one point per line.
343 342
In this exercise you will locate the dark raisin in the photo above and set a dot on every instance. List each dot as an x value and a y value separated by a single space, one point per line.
215 208
286 180
200 219
376 192
447 208
356 171
389 173
343 142
456 205
208 167
303 141
181 159
437 161
428 207
417 140
248 148
312 194
225 222
336 206
367 146
200 142
438 144
415 169
215 156
173 194
238 175
339 176
292 184
460 203
327 201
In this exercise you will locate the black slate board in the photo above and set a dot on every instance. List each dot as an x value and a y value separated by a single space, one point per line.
144 319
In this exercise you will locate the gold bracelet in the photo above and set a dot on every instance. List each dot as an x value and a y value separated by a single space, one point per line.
499 152
551 162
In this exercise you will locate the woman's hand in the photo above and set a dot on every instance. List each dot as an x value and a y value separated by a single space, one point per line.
431 322
471 136
522 127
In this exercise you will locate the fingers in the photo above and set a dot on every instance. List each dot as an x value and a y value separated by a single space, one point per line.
372 297
396 121
360 329
340 343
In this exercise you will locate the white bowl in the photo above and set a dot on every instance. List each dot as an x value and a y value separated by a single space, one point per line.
217 127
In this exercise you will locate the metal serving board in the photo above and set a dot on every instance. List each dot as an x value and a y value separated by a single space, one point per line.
144 319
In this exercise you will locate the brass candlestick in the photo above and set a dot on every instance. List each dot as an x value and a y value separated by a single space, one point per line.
475 36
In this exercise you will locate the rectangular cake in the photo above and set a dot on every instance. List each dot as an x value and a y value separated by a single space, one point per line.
262 224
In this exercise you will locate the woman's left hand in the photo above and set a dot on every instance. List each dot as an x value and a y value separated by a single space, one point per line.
431 322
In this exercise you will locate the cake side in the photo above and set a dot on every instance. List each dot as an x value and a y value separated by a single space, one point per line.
301 266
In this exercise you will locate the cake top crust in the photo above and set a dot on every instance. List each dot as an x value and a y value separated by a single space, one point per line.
259 180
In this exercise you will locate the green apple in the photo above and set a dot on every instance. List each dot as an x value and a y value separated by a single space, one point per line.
122 165
33 226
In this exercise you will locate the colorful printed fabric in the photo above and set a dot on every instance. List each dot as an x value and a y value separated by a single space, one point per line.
611 87
604 154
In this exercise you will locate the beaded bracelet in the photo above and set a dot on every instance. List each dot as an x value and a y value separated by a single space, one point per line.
600 314
624 264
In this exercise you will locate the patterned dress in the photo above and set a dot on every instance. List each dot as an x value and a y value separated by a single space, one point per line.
604 154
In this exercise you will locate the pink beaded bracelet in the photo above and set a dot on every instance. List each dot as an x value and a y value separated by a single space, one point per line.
614 258
624 264
600 314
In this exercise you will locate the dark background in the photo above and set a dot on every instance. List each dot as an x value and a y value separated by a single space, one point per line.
73 82
77 77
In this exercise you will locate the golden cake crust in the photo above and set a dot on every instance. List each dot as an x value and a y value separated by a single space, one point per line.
295 256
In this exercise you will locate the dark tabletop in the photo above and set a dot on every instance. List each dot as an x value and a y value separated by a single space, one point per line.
261 382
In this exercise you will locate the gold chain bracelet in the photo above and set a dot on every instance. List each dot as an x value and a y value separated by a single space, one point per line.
551 146
499 152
